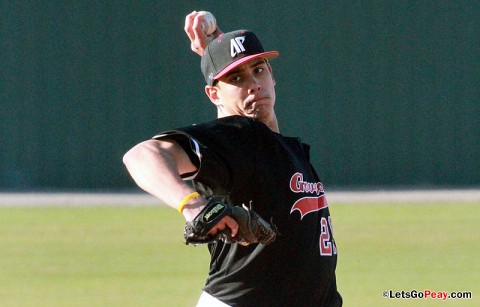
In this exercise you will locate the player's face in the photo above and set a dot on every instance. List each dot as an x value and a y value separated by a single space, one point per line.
248 90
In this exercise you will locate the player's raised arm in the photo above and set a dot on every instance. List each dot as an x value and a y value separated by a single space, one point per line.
200 29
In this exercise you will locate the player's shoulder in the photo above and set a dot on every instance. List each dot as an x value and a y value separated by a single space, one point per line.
228 124
231 129
233 122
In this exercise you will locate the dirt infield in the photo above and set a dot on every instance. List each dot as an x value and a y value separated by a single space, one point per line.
142 199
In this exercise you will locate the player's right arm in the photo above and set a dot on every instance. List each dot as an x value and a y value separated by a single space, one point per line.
157 165
198 39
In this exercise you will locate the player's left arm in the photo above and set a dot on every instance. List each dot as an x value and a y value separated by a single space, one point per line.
156 166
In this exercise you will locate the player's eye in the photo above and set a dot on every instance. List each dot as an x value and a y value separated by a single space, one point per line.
259 69
235 78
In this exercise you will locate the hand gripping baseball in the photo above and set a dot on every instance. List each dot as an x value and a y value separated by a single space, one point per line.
200 27
252 228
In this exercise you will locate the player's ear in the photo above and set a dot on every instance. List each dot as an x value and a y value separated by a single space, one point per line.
212 93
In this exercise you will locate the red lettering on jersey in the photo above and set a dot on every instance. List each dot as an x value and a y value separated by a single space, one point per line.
297 185
307 205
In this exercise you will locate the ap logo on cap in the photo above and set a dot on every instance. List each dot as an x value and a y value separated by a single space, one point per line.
236 45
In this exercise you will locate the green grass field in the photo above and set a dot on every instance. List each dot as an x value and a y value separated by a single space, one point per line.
118 256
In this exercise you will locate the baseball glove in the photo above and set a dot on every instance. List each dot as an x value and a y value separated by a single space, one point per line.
252 228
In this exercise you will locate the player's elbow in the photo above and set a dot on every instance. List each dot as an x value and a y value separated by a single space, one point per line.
137 153
128 157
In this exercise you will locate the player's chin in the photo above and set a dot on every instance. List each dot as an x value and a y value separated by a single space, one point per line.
261 115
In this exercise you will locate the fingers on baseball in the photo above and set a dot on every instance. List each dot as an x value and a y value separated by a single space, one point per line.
226 222
197 28
189 25
193 28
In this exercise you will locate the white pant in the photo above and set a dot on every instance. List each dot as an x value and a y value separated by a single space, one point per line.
206 300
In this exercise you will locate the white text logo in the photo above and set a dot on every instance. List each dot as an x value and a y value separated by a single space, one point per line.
236 45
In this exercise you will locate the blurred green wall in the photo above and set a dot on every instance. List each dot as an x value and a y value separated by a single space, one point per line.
386 92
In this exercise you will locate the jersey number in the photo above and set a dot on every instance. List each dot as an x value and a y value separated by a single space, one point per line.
327 244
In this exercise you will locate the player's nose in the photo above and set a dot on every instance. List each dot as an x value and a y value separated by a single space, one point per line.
254 86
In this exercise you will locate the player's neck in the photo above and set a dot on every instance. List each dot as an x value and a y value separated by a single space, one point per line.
270 120
273 125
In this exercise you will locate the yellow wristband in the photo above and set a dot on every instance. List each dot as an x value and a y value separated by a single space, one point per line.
186 199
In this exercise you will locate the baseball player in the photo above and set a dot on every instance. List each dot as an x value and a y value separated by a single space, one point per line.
255 199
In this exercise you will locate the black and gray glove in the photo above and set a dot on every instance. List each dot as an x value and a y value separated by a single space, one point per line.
252 228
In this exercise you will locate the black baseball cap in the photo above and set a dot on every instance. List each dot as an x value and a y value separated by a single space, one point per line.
230 50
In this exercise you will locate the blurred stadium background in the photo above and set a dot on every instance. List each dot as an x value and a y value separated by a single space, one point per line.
386 92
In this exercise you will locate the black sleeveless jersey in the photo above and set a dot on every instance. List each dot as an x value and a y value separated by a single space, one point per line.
242 161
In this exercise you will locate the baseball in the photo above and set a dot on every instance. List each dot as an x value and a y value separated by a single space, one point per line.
209 24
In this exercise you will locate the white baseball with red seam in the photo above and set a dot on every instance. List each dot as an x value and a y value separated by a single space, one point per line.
209 24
